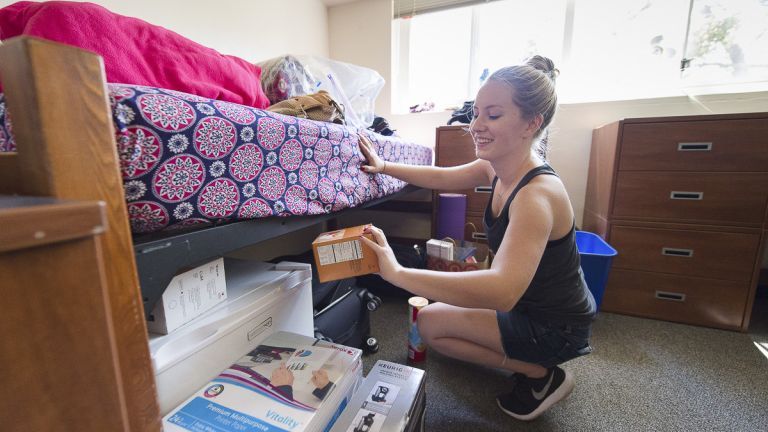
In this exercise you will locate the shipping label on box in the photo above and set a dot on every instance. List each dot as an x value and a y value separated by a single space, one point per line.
341 254
189 295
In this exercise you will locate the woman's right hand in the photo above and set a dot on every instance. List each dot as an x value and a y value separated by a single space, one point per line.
375 163
388 265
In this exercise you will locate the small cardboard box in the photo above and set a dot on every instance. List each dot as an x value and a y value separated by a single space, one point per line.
440 249
341 254
189 295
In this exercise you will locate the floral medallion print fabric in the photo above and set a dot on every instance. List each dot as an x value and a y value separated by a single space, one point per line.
189 161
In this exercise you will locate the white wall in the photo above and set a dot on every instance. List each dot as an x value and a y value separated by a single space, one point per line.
255 30
359 33
572 127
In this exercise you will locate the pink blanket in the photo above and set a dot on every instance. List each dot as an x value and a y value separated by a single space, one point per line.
136 52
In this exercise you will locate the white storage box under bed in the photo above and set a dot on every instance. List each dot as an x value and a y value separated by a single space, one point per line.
262 298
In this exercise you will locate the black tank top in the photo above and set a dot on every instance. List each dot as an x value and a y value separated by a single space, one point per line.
557 293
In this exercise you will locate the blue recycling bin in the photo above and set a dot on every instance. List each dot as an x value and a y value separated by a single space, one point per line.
596 256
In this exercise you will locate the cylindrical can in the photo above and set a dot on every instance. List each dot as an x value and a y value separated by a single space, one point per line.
417 349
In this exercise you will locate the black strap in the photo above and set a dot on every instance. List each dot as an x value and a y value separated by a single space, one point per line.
493 184
539 170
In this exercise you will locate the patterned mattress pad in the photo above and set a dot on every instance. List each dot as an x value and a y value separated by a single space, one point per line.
189 161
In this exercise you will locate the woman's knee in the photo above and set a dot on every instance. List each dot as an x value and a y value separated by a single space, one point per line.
428 321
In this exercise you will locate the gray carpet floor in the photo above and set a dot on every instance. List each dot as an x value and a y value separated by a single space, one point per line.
644 375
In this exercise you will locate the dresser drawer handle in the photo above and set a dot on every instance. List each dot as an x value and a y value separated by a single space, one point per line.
694 146
479 236
664 295
679 195
483 189
687 253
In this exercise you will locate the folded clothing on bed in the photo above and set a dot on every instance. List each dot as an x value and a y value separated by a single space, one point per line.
137 52
188 160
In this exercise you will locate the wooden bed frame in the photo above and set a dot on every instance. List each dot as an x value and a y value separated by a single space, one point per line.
62 125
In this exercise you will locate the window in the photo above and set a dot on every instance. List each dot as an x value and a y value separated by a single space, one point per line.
727 46
439 57
626 49
444 56
509 32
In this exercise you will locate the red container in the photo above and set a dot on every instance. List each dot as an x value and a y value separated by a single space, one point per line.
417 349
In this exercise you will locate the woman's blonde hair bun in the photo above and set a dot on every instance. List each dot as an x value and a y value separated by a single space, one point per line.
545 65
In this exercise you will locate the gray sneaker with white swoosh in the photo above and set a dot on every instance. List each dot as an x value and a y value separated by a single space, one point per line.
531 397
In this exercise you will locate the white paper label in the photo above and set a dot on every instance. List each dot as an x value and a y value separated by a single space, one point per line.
340 252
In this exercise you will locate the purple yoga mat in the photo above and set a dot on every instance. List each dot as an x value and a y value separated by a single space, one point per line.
451 216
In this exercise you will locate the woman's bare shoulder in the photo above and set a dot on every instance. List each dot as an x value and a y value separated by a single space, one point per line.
548 192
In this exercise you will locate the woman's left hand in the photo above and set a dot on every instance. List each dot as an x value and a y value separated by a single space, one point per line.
388 265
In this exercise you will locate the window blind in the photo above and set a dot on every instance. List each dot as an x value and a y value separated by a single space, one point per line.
409 8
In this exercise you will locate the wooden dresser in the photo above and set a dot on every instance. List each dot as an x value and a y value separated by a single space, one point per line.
453 147
683 201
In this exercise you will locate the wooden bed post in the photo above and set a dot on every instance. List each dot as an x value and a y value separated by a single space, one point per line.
9 173
58 364
66 148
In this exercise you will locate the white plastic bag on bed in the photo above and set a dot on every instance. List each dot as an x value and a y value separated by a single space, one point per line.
354 87
284 77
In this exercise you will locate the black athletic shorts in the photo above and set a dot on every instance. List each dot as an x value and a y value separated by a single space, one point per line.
541 343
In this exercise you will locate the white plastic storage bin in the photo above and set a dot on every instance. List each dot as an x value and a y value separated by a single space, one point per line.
262 298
